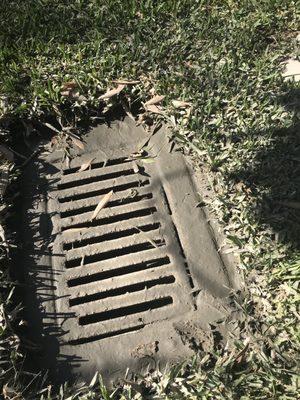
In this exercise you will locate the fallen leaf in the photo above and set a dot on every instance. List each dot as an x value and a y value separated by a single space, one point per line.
112 92
94 380
180 104
67 162
86 165
51 127
240 356
75 230
101 204
154 109
78 143
155 100
125 82
147 160
135 167
69 85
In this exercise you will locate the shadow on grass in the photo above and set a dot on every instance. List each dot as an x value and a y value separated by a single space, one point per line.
274 178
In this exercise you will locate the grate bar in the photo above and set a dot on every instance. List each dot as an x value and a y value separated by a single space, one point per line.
111 204
114 253
125 311
110 172
119 278
73 236
93 201
126 300
88 190
95 164
152 258
106 213
122 290
106 237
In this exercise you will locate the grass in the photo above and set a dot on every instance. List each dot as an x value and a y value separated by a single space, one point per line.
224 57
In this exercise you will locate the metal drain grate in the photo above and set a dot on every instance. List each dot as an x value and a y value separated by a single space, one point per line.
112 286
121 268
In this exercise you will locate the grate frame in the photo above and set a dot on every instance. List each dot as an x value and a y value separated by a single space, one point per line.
148 255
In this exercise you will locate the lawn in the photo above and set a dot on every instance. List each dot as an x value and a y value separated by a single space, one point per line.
223 57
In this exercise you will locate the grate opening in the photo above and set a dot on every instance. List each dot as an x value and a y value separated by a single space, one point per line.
114 203
118 332
136 287
125 311
92 179
101 164
92 193
112 219
106 255
111 236
127 269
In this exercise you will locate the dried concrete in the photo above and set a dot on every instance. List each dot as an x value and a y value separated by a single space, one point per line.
131 288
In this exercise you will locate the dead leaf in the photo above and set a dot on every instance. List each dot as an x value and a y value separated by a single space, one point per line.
67 162
69 85
78 143
101 204
94 380
51 127
135 167
112 92
86 165
8 154
241 355
147 160
180 104
125 82
154 109
75 230
155 100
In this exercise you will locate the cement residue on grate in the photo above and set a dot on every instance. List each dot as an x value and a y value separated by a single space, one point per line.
126 278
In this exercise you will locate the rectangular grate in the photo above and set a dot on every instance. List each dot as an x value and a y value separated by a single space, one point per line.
108 294
125 266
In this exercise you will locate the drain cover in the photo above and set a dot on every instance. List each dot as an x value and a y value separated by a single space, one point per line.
118 290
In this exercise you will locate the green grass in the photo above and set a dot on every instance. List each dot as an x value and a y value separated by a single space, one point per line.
223 57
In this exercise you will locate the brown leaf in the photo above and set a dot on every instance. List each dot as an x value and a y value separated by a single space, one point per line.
69 86
180 104
86 165
135 167
75 230
78 143
67 162
125 82
154 109
155 100
112 92
102 204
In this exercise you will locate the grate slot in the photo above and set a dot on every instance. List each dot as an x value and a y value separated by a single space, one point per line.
124 270
96 178
112 219
125 311
136 287
111 236
106 255
90 192
118 332
111 204
100 164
